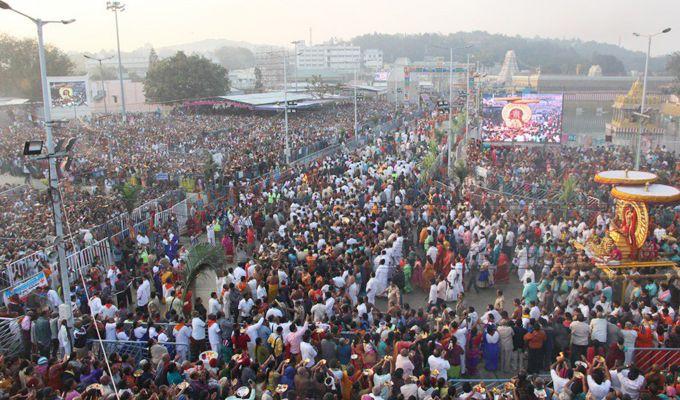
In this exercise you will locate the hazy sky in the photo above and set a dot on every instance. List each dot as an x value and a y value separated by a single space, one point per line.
168 22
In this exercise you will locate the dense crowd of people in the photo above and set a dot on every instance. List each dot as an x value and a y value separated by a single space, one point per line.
156 152
320 301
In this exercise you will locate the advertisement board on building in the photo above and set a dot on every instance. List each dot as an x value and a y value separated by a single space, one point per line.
381 76
528 118
69 97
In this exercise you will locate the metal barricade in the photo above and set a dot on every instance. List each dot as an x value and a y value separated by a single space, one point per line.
663 357
136 350
10 337
490 384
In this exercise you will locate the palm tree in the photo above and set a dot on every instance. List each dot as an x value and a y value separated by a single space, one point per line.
460 170
201 257
129 193
568 192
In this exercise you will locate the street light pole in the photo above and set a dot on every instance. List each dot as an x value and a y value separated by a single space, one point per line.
638 138
285 104
297 64
116 6
101 76
467 97
55 195
449 140
355 103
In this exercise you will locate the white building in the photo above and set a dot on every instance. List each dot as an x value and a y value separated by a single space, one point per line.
243 79
373 59
337 57
138 65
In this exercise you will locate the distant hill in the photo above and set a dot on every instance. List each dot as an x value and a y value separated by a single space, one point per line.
204 47
554 56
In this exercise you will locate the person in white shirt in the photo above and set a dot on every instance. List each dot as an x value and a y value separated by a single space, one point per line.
245 305
143 294
318 311
182 335
631 381
95 304
142 239
372 288
404 362
251 331
110 329
214 333
436 362
197 334
534 311
599 380
214 305
64 340
53 299
629 337
307 351
121 335
432 295
598 330
108 310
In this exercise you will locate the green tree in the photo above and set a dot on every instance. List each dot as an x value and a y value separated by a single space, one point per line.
181 77
153 58
611 66
673 67
318 87
129 193
107 73
235 57
20 68
259 84
569 190
201 257
209 168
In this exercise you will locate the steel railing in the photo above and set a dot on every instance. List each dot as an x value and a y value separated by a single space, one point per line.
645 358
137 350
10 336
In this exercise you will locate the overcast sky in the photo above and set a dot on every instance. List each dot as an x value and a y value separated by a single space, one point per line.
168 22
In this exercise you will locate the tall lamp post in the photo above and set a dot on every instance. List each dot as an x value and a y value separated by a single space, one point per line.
53 178
297 64
449 140
101 76
355 103
638 138
285 104
116 6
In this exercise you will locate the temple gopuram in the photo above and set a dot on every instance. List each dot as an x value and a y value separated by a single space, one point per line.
625 124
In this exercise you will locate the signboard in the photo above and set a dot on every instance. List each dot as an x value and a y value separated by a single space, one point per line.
22 289
68 94
381 76
533 118
69 97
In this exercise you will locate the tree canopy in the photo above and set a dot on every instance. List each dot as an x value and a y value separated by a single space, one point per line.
235 57
20 66
180 77
673 67
553 56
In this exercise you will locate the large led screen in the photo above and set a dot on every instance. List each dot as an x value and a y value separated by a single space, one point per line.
68 94
529 118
